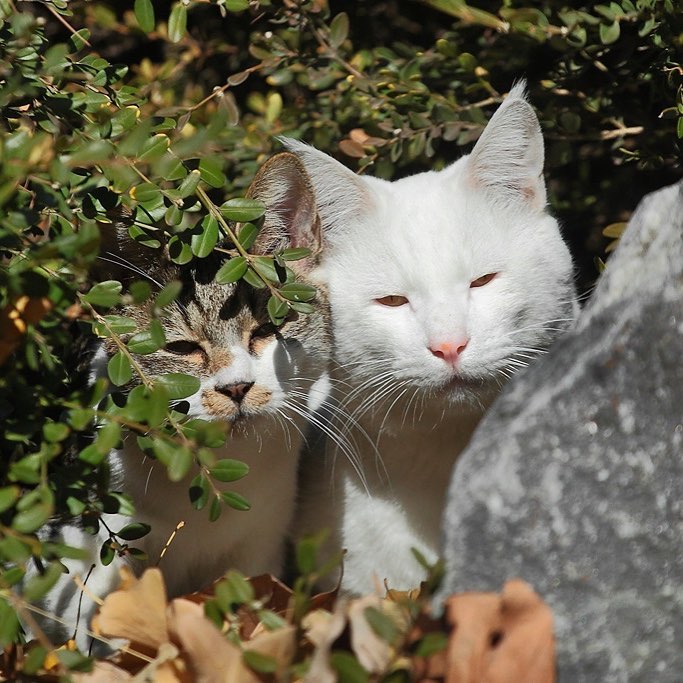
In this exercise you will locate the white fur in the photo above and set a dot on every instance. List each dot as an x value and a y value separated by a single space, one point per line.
427 237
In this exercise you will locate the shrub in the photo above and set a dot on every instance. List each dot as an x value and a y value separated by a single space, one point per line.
168 111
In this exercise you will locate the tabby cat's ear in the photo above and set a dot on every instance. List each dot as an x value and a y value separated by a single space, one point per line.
291 219
341 194
507 160
121 257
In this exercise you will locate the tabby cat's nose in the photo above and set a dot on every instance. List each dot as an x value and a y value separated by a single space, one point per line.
235 391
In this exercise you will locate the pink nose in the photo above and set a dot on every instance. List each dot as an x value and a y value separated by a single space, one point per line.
449 351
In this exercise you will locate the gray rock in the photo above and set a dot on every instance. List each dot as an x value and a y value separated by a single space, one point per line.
574 480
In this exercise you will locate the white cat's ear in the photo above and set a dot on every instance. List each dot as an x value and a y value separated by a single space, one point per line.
507 160
341 195
291 219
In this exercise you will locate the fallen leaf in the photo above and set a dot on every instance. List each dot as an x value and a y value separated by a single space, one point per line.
322 629
372 652
500 639
280 645
136 611
210 656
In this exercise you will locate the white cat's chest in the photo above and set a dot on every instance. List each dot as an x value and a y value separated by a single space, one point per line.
392 499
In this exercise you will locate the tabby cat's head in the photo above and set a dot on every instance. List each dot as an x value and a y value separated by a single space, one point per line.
221 334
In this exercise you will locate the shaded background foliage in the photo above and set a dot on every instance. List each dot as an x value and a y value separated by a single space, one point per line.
168 109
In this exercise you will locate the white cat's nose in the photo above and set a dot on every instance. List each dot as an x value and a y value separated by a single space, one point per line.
449 351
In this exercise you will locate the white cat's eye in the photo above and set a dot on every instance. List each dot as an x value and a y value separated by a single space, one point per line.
483 280
392 300
183 347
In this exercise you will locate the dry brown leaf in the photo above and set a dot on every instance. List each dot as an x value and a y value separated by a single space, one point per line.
212 658
322 631
136 611
501 639
279 644
351 148
372 652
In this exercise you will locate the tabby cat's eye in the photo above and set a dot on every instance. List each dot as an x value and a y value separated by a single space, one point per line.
183 347
392 300
483 280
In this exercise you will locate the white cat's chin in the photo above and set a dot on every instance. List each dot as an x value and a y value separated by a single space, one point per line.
468 391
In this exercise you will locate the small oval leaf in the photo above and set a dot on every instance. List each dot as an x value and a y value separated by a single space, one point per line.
231 271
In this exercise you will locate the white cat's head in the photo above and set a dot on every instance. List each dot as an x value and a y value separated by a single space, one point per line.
448 280
221 333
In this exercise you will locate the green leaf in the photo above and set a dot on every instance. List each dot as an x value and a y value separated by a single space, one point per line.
271 620
237 5
199 492
108 437
252 278
235 589
215 509
143 343
54 432
609 33
298 291
157 334
211 172
133 531
8 496
107 553
348 668
34 659
306 551
189 184
242 210
154 148
247 235
144 13
9 623
339 29
74 660
265 267
277 310
302 308
259 662
168 294
119 369
179 250
178 385
119 324
235 501
177 22
232 270
382 625
105 294
39 584
202 243
431 643
28 521
229 470
295 254
79 39
679 127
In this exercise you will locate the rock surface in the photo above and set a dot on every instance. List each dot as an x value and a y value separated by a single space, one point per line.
574 480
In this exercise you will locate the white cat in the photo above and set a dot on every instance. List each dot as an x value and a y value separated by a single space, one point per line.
263 380
441 286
